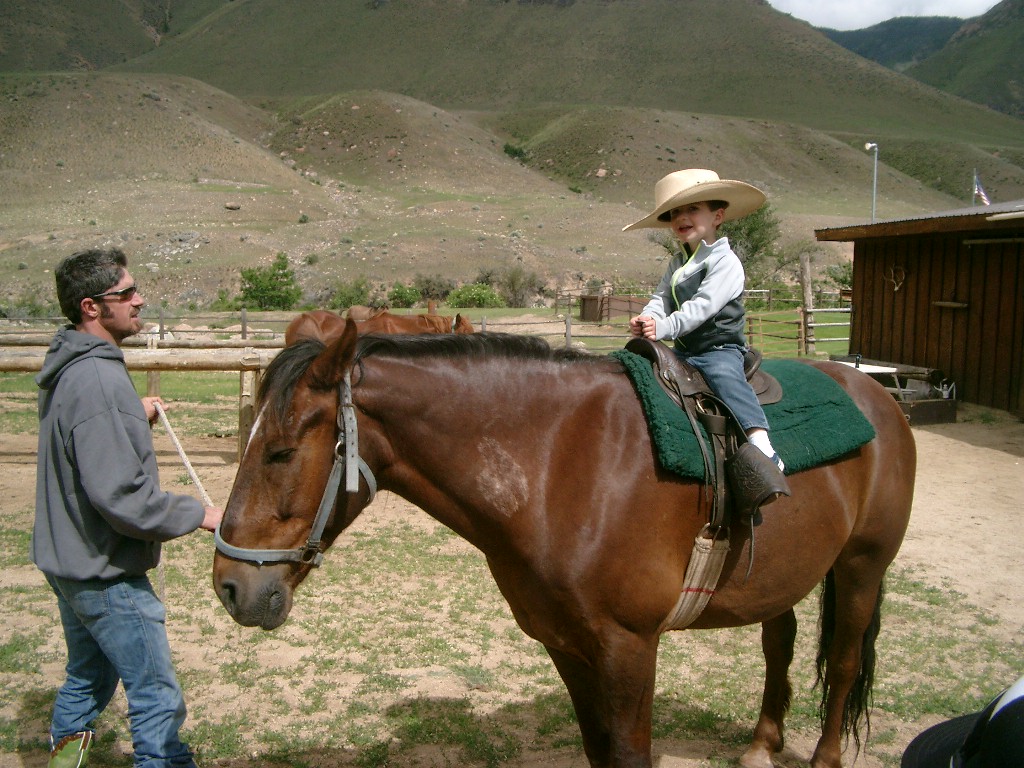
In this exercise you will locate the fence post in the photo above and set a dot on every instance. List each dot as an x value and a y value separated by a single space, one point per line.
153 377
245 327
248 386
808 309
568 330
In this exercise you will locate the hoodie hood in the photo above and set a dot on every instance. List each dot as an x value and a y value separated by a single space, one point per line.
69 346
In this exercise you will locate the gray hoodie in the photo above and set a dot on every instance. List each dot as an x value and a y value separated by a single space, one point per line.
100 512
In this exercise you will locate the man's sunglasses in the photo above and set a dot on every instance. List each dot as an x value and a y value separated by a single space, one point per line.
122 294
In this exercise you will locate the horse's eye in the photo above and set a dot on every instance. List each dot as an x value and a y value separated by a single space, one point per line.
282 456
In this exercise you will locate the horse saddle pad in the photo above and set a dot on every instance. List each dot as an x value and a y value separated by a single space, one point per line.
814 422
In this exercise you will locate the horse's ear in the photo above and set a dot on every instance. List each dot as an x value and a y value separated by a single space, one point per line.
329 367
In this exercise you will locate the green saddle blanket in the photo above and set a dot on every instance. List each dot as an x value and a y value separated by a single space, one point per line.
816 421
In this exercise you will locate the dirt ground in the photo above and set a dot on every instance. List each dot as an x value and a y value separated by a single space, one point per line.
964 534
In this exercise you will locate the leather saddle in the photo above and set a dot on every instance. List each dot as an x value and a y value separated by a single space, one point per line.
680 380
730 462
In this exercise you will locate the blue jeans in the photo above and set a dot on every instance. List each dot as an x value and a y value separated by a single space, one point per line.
115 630
722 368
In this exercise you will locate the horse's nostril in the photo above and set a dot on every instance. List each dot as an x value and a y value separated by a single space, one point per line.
226 593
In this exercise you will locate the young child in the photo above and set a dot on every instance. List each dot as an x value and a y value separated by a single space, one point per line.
698 302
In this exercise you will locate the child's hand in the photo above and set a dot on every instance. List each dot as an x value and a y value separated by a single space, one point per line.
642 326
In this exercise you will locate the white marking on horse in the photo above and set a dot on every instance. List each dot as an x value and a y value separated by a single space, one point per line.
252 431
501 479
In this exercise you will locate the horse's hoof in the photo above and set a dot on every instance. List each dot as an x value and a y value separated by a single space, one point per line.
757 757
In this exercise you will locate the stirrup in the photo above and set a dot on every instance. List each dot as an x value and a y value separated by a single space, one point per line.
72 751
755 479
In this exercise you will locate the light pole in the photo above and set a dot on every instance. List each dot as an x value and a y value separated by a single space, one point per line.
874 182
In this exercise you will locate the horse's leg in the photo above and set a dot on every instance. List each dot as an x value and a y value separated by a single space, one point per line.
778 636
857 594
613 701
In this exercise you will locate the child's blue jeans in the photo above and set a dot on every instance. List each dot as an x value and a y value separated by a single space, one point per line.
722 368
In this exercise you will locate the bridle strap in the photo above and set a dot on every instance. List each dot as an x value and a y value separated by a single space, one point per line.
349 429
347 460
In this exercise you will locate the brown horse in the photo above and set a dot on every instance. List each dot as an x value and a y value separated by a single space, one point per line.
359 312
327 326
542 459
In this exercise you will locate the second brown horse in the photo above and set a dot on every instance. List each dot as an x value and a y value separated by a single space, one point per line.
327 326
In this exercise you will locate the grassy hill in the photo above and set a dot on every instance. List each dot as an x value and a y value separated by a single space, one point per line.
369 139
374 185
733 57
48 35
898 43
983 60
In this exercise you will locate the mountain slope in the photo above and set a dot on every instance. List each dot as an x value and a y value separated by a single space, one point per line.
52 35
983 60
733 57
195 184
898 43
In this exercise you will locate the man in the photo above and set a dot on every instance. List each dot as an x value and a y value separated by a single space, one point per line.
101 517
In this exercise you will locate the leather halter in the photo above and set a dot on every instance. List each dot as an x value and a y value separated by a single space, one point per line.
347 460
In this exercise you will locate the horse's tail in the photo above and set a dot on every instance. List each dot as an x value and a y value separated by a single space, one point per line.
858 703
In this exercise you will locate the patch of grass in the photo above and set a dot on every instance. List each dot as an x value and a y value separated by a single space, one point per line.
14 544
452 724
20 653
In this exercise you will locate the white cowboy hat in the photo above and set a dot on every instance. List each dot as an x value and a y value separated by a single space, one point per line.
697 185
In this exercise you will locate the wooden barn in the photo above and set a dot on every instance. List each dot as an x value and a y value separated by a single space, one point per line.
945 292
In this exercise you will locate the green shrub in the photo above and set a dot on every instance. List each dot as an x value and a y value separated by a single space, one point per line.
474 295
29 305
515 152
517 286
272 287
223 302
403 295
351 293
434 287
840 275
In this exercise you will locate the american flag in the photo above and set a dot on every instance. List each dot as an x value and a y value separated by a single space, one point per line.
979 191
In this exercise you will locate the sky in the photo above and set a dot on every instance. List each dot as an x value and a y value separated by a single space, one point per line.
843 14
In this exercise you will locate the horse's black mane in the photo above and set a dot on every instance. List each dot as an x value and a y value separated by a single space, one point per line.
284 373
474 345
292 363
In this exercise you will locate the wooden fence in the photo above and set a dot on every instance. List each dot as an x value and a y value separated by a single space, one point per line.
250 350
249 362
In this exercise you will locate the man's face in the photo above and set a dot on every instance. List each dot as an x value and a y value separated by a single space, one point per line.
119 308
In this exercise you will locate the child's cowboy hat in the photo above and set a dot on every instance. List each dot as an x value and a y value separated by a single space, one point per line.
698 185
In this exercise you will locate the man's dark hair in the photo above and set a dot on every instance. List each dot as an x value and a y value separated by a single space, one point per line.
87 273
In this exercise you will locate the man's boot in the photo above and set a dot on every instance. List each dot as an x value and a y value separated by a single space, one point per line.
71 751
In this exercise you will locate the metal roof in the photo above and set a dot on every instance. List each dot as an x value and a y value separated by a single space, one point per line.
998 216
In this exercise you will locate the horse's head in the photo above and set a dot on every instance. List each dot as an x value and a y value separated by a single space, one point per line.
462 324
272 534
315 324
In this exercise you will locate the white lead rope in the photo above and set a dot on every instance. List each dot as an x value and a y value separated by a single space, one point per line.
181 452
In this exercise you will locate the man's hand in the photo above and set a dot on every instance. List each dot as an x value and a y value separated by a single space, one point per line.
149 405
212 518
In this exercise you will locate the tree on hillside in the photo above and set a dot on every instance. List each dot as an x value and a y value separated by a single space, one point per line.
272 287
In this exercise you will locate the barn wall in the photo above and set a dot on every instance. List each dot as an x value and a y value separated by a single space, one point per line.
954 302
